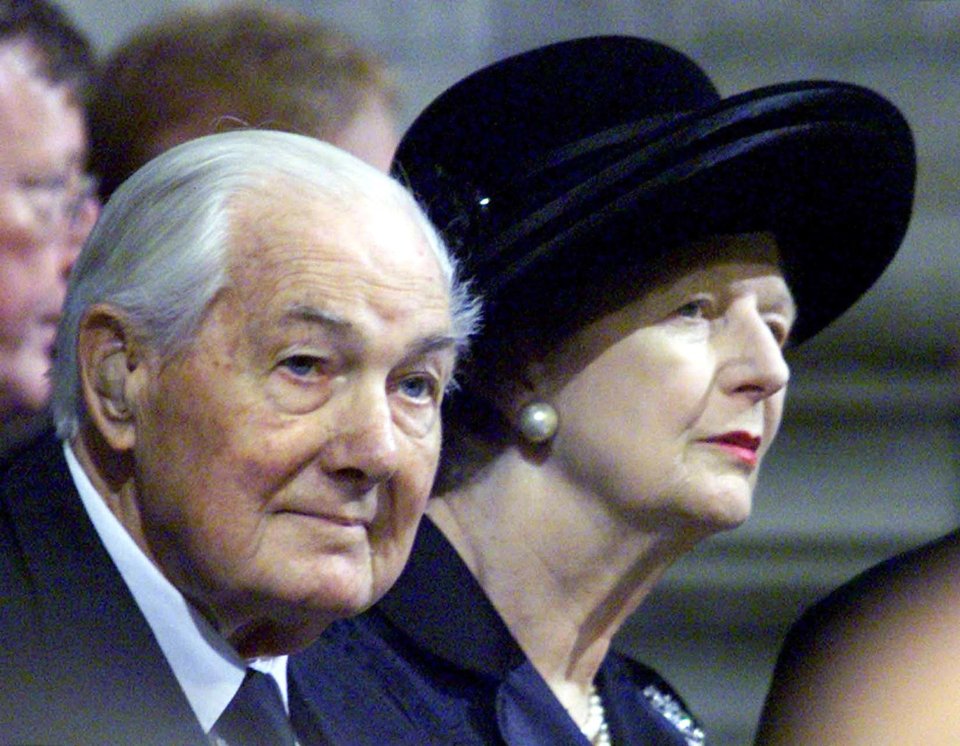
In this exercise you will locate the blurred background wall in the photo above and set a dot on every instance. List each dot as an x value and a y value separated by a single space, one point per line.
866 463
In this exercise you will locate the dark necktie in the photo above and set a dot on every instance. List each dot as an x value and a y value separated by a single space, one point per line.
255 716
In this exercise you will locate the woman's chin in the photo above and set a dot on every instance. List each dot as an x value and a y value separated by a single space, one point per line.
722 511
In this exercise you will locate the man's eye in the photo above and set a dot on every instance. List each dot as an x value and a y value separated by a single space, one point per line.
44 183
420 387
301 365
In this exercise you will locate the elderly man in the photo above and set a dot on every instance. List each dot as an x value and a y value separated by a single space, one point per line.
46 208
248 378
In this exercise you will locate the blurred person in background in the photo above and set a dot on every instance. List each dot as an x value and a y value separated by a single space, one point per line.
46 199
199 71
646 251
875 662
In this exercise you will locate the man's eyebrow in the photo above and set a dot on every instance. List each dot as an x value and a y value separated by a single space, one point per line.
311 314
434 343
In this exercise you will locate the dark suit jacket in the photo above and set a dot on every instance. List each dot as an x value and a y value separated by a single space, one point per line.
78 662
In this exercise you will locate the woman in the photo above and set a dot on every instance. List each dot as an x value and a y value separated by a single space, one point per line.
642 246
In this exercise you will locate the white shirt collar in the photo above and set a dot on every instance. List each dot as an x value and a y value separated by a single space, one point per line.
208 669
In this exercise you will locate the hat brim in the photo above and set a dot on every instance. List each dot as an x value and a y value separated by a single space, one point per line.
831 179
829 168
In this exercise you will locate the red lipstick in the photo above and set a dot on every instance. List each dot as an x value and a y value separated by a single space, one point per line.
739 444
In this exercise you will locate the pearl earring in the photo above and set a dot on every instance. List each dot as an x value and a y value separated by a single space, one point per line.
538 422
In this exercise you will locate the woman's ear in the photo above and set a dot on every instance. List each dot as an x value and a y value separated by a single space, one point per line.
111 373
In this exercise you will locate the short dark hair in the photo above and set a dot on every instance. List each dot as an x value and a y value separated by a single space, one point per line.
66 57
238 66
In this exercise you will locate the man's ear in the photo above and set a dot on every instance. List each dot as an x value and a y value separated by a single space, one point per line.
112 373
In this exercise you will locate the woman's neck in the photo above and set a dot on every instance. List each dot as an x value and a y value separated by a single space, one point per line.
562 572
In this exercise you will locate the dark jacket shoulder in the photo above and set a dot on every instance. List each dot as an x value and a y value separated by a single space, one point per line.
80 663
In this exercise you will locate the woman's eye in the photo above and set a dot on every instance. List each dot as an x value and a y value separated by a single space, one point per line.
301 365
422 387
694 309
780 331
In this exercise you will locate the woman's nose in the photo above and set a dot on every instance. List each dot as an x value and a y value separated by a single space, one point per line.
755 366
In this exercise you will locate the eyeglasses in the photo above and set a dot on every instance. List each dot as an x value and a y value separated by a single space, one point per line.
55 202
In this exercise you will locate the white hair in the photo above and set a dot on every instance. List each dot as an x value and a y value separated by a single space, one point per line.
159 251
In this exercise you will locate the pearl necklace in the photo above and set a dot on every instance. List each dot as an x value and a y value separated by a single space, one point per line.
595 726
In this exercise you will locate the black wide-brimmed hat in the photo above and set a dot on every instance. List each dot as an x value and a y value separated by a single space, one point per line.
581 161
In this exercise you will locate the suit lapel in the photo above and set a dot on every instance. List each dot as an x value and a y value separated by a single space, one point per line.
104 664
305 724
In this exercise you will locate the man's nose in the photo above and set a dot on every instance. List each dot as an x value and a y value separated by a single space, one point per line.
364 446
80 223
54 260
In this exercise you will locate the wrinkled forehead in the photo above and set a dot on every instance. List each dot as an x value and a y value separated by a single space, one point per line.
282 220
293 242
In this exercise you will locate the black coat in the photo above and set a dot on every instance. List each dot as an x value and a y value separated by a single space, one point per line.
433 663
78 661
